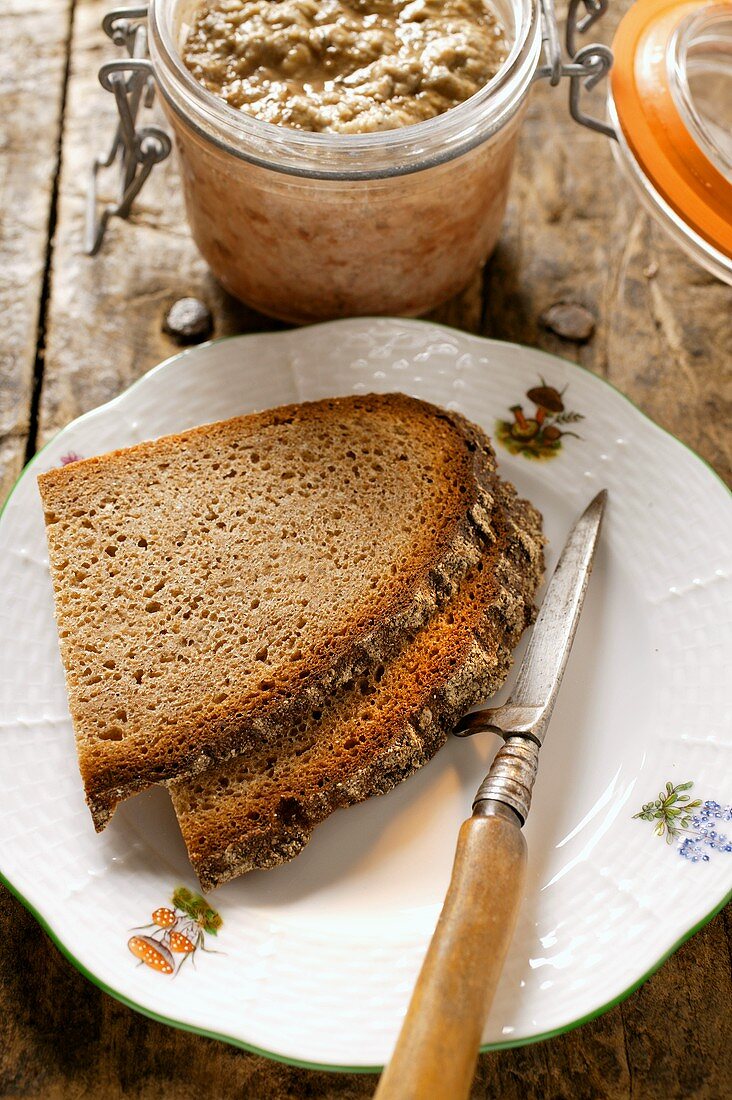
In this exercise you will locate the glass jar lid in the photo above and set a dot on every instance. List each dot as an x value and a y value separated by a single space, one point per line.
671 101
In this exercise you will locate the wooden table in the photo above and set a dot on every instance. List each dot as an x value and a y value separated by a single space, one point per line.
76 331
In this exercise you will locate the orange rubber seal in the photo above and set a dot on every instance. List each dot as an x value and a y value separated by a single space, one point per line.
653 128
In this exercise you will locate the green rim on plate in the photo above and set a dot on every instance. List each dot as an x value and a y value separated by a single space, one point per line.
508 1043
274 1056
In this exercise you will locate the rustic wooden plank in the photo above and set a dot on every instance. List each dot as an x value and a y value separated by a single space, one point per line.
31 87
573 232
106 313
686 1002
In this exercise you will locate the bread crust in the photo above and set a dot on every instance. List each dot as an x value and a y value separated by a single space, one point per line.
235 819
115 769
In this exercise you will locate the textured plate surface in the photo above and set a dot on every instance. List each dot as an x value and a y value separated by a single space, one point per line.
318 957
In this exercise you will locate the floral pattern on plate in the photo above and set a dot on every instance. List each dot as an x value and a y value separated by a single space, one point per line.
676 819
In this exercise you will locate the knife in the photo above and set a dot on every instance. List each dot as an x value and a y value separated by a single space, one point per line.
437 1048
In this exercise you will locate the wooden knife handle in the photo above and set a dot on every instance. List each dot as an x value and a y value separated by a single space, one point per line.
437 1049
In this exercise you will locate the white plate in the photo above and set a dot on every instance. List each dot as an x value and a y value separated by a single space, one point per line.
319 956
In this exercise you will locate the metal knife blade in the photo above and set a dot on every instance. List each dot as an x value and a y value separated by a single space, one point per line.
531 703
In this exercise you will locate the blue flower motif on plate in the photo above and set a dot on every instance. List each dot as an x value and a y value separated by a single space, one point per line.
693 823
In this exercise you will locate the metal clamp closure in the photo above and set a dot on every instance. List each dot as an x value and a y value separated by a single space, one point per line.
586 65
138 149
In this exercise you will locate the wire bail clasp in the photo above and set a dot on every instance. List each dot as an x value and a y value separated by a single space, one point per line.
138 149
586 65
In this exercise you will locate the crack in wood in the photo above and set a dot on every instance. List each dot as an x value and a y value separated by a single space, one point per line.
39 362
626 1049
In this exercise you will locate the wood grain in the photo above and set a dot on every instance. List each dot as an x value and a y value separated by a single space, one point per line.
573 232
105 318
34 38
437 1047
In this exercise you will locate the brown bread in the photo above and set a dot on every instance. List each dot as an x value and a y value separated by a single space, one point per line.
260 809
215 586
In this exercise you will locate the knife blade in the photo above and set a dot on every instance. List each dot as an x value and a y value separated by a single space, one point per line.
530 705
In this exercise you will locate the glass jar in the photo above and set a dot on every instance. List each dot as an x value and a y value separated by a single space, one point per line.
306 226
310 226
671 106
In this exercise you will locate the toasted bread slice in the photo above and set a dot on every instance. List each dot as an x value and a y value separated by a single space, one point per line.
260 809
214 586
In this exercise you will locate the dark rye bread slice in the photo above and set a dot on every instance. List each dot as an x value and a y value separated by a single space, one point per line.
260 809
216 585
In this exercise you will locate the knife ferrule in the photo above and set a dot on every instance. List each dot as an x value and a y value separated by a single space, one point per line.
511 777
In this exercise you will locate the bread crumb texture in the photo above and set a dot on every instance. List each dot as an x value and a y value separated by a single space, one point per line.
215 585
260 809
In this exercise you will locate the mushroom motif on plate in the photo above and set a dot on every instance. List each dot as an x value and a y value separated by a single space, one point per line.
176 933
539 433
